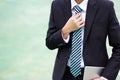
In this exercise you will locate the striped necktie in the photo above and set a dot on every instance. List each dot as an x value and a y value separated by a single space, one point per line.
76 54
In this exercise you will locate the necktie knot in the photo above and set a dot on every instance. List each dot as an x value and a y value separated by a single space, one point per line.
77 9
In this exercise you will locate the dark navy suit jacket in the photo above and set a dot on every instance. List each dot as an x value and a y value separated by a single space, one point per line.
100 22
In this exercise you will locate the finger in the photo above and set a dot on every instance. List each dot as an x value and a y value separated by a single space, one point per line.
81 23
73 13
79 19
77 15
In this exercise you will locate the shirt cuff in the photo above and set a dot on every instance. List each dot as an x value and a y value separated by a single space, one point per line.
104 78
66 40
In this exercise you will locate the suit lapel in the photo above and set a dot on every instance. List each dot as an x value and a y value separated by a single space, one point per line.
90 15
67 9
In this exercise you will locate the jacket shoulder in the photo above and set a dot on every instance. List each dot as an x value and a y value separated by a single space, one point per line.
105 2
57 2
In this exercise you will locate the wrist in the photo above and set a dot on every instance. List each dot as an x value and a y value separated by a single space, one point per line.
65 34
66 29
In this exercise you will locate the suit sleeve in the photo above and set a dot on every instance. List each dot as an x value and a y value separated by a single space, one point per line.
54 36
113 66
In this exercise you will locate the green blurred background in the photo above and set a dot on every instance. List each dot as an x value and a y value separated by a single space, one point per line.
23 26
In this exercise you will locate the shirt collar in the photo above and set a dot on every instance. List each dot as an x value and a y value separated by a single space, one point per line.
82 5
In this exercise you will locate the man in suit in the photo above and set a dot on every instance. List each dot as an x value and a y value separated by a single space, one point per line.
96 20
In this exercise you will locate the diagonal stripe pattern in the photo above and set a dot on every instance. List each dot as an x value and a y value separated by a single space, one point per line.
75 57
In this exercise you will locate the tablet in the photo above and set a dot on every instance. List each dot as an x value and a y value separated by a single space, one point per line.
92 72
